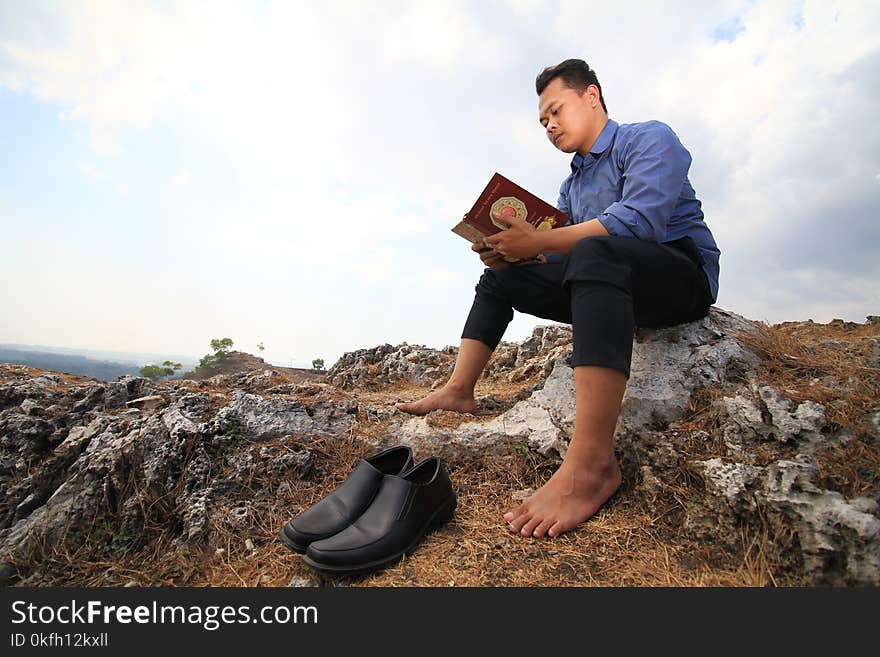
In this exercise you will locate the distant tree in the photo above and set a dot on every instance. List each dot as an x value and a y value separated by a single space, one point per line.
220 348
318 364
260 347
154 372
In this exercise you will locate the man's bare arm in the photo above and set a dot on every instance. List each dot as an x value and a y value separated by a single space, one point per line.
561 240
521 240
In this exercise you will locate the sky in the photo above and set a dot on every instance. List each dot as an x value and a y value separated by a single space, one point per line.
288 173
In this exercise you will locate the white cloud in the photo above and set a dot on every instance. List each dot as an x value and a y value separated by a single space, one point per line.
368 129
182 178
442 36
776 120
352 237
435 278
813 292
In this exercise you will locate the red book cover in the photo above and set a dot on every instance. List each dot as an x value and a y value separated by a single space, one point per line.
509 200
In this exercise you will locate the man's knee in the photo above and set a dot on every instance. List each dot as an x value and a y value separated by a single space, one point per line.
600 248
599 259
490 282
500 282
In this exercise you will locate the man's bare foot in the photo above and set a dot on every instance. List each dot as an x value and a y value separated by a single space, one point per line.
573 494
444 398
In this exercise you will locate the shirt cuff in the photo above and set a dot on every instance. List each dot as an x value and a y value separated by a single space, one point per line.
638 228
614 226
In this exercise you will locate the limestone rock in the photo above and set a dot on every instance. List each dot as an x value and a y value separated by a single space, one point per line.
381 366
148 403
802 421
733 482
260 418
668 366
764 413
839 537
745 423
125 388
32 408
72 456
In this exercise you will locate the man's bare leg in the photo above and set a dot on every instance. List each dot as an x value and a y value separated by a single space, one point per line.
589 474
458 393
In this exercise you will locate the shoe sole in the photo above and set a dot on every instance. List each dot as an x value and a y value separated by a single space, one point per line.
440 516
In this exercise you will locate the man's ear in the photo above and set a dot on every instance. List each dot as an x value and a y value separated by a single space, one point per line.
593 95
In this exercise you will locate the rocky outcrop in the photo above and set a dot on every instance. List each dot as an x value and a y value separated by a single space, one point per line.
384 365
261 419
191 458
194 456
668 366
839 538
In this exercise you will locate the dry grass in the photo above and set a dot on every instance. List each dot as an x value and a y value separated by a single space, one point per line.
630 542
825 363
623 545
831 364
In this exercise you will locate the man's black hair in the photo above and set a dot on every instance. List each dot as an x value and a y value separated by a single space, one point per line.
575 73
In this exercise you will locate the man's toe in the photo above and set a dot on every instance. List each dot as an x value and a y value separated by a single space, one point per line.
542 528
529 527
513 514
521 517
556 529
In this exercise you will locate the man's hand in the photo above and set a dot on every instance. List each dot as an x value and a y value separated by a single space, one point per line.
518 241
489 256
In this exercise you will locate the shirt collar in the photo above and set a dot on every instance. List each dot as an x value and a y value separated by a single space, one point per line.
603 141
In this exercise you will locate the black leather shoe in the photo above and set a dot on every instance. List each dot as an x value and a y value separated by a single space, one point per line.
403 511
337 511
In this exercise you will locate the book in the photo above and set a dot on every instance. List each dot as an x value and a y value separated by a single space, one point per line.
504 197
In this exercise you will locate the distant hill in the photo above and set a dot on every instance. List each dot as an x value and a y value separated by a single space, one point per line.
71 364
110 370
238 361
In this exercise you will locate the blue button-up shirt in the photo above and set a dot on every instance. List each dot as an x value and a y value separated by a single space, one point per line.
634 180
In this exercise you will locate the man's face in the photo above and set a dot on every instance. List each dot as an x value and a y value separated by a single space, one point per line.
570 118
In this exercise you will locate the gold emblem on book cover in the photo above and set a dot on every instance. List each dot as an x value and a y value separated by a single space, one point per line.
546 223
507 207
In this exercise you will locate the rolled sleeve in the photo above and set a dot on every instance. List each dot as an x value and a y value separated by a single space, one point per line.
564 205
655 166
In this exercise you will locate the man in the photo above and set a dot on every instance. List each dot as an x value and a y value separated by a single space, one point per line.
635 253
